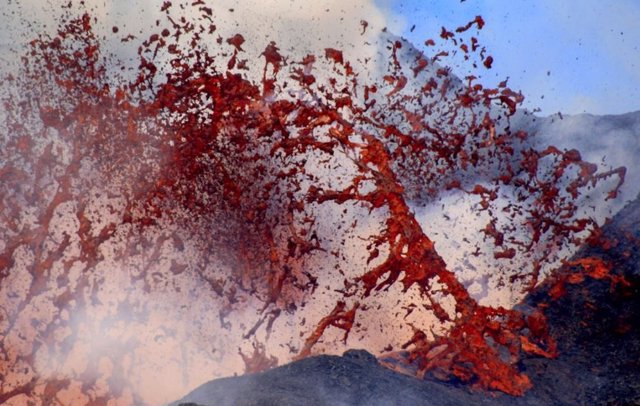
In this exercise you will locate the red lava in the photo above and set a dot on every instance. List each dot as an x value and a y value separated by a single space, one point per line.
228 160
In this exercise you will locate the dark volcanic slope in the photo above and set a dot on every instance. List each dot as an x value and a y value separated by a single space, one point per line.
597 326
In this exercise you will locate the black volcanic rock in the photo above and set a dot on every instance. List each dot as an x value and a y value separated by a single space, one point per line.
596 324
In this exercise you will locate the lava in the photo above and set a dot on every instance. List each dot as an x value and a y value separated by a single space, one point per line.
192 154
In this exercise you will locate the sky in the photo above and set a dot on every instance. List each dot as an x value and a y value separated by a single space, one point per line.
569 56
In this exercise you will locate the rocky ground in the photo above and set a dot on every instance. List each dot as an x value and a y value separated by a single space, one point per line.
596 324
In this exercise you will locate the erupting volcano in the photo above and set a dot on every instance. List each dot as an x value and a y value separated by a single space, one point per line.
214 210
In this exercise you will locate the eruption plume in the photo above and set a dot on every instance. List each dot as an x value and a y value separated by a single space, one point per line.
211 209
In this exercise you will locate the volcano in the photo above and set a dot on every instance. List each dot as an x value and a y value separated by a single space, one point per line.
216 205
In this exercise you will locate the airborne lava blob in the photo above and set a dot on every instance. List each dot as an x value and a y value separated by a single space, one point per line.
152 221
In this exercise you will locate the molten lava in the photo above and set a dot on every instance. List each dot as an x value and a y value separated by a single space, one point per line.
195 155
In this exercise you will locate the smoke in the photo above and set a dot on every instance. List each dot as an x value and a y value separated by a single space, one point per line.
298 27
142 328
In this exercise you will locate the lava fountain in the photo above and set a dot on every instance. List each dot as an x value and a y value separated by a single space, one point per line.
211 211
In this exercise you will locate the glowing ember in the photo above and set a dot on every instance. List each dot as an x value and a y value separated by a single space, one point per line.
207 186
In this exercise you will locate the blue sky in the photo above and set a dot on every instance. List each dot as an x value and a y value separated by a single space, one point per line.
571 56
